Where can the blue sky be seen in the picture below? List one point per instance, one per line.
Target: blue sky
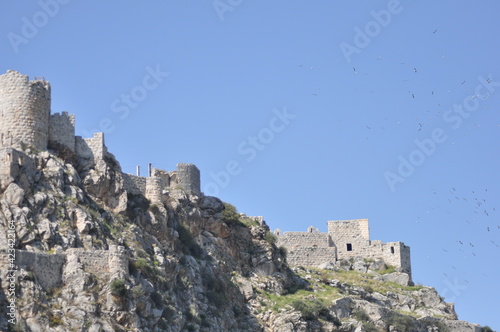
(299, 111)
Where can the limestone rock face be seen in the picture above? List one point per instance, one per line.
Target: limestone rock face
(92, 255)
(105, 183)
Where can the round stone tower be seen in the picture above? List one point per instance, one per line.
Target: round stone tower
(188, 177)
(24, 111)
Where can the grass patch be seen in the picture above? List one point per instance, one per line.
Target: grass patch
(325, 294)
(270, 237)
(230, 214)
(249, 222)
(387, 270)
(118, 287)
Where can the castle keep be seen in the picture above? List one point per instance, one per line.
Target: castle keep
(26, 123)
(345, 239)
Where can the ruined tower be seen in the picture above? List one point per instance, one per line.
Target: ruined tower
(188, 177)
(24, 111)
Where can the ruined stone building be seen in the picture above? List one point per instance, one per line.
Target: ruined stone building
(26, 122)
(27, 126)
(345, 239)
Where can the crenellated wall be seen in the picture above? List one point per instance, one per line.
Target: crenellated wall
(24, 111)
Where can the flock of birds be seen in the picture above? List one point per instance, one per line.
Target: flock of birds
(486, 219)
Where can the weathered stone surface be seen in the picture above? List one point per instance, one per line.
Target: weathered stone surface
(211, 205)
(397, 277)
(13, 195)
(98, 250)
(346, 239)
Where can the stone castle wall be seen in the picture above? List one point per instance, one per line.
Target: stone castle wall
(9, 167)
(24, 111)
(90, 149)
(310, 256)
(11, 161)
(62, 130)
(152, 187)
(345, 239)
(25, 121)
(295, 240)
(153, 190)
(133, 184)
(188, 177)
(48, 268)
(351, 237)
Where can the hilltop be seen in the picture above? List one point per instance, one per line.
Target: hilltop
(89, 248)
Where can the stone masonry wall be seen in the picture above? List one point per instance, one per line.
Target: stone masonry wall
(352, 237)
(310, 256)
(153, 190)
(163, 175)
(188, 177)
(9, 167)
(153, 186)
(24, 111)
(13, 164)
(106, 264)
(96, 145)
(90, 149)
(345, 239)
(46, 268)
(294, 240)
(62, 130)
(134, 184)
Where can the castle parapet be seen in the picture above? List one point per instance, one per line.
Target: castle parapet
(24, 110)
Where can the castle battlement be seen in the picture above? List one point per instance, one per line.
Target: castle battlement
(345, 239)
(24, 110)
(26, 126)
(27, 123)
(186, 177)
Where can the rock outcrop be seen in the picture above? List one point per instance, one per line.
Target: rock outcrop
(91, 256)
(85, 247)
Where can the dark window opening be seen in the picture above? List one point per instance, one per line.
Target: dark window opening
(349, 247)
(392, 250)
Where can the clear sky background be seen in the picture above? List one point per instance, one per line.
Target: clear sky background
(301, 112)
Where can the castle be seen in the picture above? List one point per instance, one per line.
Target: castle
(345, 239)
(28, 125)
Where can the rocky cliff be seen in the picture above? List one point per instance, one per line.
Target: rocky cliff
(80, 253)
